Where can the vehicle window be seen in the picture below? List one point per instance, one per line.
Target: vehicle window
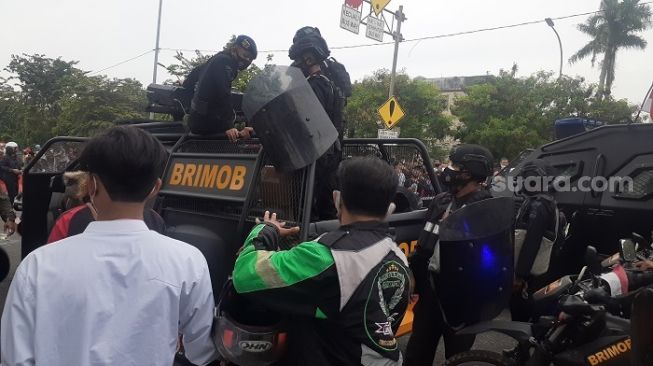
(57, 157)
(642, 185)
(415, 184)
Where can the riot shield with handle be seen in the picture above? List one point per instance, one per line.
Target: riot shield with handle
(476, 261)
(293, 126)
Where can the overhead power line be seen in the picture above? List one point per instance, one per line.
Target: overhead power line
(121, 62)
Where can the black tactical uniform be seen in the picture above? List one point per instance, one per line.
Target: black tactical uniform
(327, 165)
(539, 217)
(429, 325)
(329, 96)
(211, 109)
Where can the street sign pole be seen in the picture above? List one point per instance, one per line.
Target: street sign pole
(398, 38)
(156, 49)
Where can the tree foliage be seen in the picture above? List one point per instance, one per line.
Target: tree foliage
(509, 114)
(45, 97)
(615, 27)
(420, 100)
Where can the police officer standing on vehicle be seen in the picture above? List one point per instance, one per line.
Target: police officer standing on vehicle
(347, 290)
(469, 168)
(308, 51)
(211, 109)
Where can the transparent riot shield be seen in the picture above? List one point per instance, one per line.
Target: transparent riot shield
(293, 126)
(476, 261)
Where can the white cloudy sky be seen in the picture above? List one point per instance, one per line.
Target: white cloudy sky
(102, 33)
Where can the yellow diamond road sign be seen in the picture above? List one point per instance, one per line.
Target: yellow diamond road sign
(391, 112)
(379, 5)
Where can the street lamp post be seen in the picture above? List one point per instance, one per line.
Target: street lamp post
(550, 23)
(156, 49)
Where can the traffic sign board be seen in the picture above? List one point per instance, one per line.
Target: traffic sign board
(354, 3)
(379, 5)
(387, 134)
(391, 112)
(374, 28)
(350, 19)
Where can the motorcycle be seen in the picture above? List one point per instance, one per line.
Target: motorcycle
(586, 330)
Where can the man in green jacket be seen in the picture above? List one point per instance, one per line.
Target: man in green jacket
(346, 291)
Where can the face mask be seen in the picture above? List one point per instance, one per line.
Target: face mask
(337, 200)
(452, 177)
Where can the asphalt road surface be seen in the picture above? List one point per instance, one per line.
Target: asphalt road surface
(490, 341)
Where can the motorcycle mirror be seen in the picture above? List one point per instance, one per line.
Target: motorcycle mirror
(628, 250)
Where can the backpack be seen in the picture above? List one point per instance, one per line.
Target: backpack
(549, 247)
(337, 73)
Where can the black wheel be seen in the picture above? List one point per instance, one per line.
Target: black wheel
(479, 358)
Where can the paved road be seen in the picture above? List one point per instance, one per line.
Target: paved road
(491, 341)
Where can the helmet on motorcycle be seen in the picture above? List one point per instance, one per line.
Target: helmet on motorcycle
(245, 333)
(308, 39)
(474, 159)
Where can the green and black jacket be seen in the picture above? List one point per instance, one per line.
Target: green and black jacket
(346, 292)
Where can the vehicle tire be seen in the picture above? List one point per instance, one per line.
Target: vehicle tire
(479, 358)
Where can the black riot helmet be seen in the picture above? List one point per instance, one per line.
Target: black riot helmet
(306, 31)
(245, 333)
(535, 170)
(247, 43)
(474, 159)
(309, 39)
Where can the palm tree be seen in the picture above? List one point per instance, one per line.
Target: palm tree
(614, 27)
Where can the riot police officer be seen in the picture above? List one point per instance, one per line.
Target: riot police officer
(308, 52)
(211, 110)
(469, 168)
(539, 234)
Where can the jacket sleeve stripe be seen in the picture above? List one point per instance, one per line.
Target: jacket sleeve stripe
(266, 271)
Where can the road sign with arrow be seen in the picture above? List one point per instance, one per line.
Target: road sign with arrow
(391, 112)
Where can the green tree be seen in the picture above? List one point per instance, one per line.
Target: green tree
(509, 114)
(44, 97)
(421, 101)
(615, 27)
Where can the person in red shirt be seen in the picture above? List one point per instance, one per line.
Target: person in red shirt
(75, 220)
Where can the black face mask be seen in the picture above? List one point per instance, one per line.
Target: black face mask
(453, 179)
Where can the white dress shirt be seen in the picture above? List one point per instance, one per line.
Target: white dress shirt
(117, 294)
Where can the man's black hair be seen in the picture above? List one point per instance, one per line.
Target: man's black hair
(367, 185)
(127, 159)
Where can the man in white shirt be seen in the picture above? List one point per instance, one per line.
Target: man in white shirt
(117, 294)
